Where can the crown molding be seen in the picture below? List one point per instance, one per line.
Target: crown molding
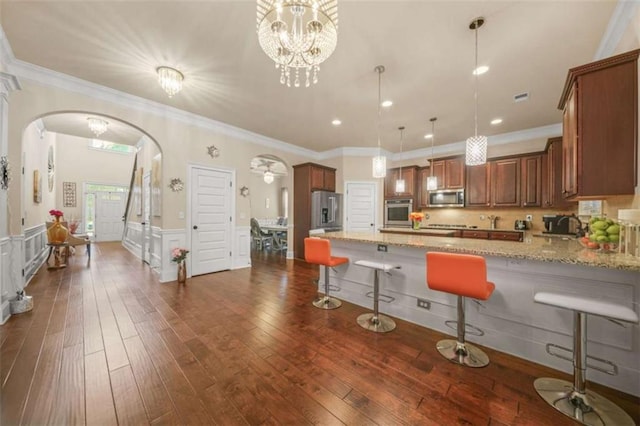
(8, 83)
(622, 15)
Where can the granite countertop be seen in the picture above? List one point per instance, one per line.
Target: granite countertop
(539, 248)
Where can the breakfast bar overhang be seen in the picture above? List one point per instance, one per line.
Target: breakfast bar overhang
(509, 321)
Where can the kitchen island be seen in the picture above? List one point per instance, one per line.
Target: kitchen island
(510, 321)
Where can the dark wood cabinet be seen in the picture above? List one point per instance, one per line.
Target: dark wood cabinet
(505, 182)
(552, 176)
(531, 177)
(478, 188)
(600, 128)
(483, 235)
(450, 172)
(423, 193)
(307, 177)
(410, 176)
(506, 235)
(323, 179)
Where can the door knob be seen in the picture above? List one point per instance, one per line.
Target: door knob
(195, 226)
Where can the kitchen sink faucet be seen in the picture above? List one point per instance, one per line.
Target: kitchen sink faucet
(493, 218)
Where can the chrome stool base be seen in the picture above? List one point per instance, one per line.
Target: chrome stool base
(588, 408)
(462, 353)
(378, 323)
(327, 302)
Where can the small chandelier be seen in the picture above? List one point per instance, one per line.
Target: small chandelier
(170, 80)
(379, 161)
(294, 42)
(400, 181)
(97, 125)
(476, 150)
(432, 181)
(268, 177)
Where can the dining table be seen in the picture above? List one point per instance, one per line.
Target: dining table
(279, 234)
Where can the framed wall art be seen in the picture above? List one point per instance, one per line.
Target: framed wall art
(156, 183)
(69, 194)
(37, 187)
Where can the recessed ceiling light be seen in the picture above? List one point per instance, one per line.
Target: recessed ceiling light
(336, 122)
(428, 136)
(480, 70)
(386, 104)
(496, 121)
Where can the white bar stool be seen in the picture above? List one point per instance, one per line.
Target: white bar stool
(374, 321)
(574, 400)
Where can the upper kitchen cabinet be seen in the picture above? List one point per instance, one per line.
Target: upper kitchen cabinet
(410, 176)
(505, 182)
(450, 172)
(478, 189)
(322, 178)
(423, 193)
(552, 176)
(600, 128)
(531, 177)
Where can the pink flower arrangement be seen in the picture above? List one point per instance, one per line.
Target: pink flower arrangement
(56, 213)
(179, 254)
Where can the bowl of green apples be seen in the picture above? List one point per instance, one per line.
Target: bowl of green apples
(604, 235)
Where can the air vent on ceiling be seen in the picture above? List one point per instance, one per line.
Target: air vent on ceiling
(521, 97)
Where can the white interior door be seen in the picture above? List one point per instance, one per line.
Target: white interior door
(361, 206)
(211, 220)
(146, 218)
(109, 213)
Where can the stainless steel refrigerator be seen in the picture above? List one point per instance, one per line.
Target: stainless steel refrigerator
(326, 211)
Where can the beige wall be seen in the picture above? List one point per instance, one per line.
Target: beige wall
(78, 163)
(36, 151)
(181, 144)
(260, 192)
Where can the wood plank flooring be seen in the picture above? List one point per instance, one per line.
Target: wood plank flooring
(107, 344)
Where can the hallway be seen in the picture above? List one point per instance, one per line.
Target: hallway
(107, 344)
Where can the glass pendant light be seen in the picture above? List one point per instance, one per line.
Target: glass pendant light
(476, 149)
(432, 181)
(379, 161)
(400, 180)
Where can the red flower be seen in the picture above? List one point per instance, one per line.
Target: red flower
(56, 213)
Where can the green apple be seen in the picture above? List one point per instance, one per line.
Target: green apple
(613, 229)
(600, 232)
(602, 239)
(614, 238)
(594, 219)
(593, 237)
(601, 224)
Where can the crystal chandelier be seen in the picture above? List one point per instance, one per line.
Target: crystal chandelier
(170, 80)
(432, 181)
(97, 125)
(297, 42)
(379, 161)
(268, 177)
(400, 181)
(476, 152)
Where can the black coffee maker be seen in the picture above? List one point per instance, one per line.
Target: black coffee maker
(556, 224)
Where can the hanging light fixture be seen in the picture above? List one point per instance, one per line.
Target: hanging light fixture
(379, 161)
(432, 181)
(476, 150)
(295, 43)
(170, 80)
(97, 125)
(268, 176)
(400, 180)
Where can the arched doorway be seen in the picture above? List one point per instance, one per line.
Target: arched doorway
(269, 204)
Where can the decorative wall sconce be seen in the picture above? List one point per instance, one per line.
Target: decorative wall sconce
(213, 151)
(176, 184)
(244, 191)
(5, 173)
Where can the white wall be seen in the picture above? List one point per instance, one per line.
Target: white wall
(35, 149)
(260, 192)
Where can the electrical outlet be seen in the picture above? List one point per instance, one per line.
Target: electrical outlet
(424, 304)
(482, 217)
(529, 217)
(382, 247)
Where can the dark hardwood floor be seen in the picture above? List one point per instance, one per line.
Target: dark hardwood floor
(107, 344)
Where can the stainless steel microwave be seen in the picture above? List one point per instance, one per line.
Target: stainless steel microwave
(446, 198)
(396, 212)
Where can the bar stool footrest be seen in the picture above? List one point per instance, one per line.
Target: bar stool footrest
(468, 328)
(379, 324)
(589, 408)
(612, 372)
(327, 302)
(462, 353)
(381, 297)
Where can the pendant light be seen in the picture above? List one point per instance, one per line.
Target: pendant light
(379, 161)
(476, 149)
(432, 181)
(400, 180)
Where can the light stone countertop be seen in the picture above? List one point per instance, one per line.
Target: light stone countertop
(533, 248)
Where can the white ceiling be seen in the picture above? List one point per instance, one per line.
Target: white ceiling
(426, 47)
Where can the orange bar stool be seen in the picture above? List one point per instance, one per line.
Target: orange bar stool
(318, 251)
(466, 276)
(574, 399)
